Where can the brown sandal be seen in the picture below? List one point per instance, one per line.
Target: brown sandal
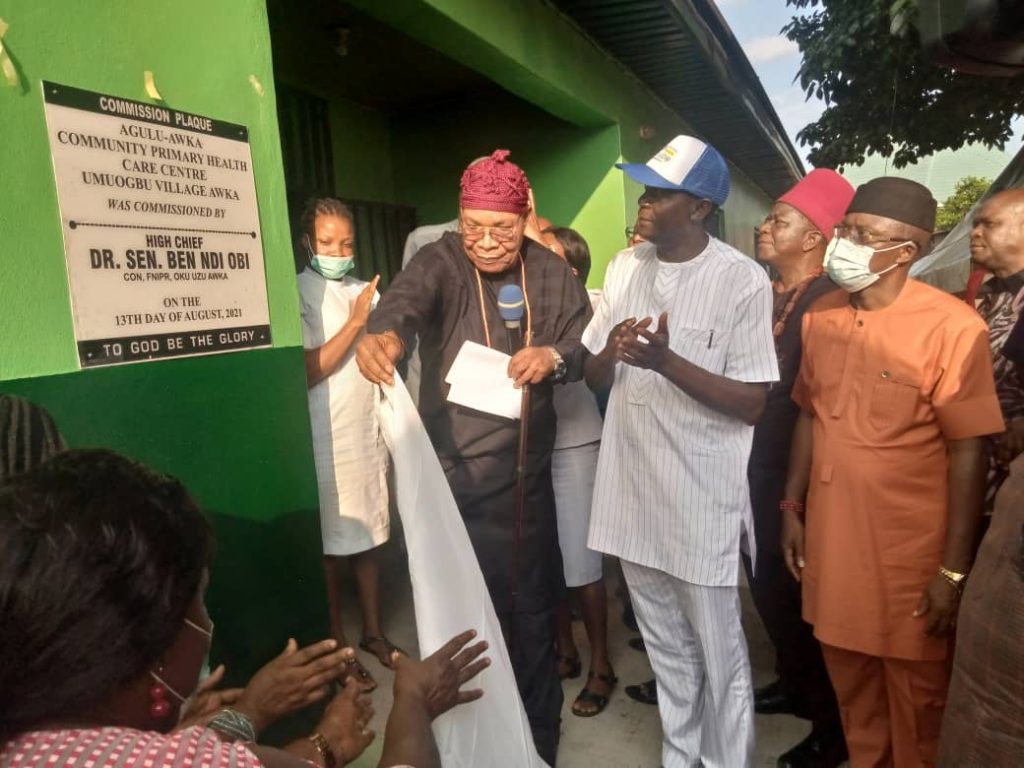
(360, 674)
(390, 648)
(599, 700)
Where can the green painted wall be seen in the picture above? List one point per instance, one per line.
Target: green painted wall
(535, 53)
(567, 165)
(233, 427)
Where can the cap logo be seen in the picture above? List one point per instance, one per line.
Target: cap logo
(665, 155)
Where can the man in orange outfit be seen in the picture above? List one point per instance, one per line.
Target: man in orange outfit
(897, 395)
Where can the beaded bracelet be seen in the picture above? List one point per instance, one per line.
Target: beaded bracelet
(788, 505)
(324, 748)
(234, 725)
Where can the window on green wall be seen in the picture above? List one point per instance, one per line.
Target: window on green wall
(381, 230)
(305, 151)
(305, 143)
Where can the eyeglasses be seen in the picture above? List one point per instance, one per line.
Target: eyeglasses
(476, 232)
(864, 236)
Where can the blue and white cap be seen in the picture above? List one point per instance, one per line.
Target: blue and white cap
(686, 164)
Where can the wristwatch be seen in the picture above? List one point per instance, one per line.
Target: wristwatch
(954, 578)
(559, 372)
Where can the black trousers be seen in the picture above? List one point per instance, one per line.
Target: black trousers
(530, 638)
(798, 660)
(485, 490)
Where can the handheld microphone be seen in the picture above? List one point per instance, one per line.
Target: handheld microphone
(511, 304)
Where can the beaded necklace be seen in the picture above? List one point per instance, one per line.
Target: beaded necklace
(787, 310)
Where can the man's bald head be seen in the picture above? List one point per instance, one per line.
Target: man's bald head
(997, 233)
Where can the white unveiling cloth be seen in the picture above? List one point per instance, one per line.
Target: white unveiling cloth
(450, 597)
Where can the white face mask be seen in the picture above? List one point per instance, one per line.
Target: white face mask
(849, 264)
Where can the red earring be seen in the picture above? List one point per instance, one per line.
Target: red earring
(159, 706)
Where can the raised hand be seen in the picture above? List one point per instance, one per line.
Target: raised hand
(345, 722)
(293, 680)
(364, 303)
(437, 679)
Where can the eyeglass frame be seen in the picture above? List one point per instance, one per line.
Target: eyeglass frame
(477, 232)
(842, 231)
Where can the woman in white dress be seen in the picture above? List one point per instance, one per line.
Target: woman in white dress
(348, 450)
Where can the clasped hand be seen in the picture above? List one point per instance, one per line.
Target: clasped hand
(634, 343)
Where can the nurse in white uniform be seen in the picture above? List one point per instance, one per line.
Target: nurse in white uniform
(350, 456)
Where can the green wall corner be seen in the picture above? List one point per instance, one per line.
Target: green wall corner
(198, 67)
(233, 427)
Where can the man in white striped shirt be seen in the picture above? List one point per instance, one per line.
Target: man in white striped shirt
(683, 338)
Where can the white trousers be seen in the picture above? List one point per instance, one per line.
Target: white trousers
(695, 642)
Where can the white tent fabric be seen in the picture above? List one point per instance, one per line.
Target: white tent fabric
(450, 597)
(948, 266)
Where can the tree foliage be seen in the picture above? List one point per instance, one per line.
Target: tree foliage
(883, 94)
(966, 193)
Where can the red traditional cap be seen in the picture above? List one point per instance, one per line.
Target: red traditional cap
(495, 184)
(823, 197)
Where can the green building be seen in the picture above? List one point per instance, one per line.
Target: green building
(382, 104)
(939, 171)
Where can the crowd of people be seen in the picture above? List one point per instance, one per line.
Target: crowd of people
(848, 437)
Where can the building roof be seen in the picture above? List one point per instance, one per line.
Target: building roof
(684, 51)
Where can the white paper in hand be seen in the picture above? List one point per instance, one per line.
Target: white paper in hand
(450, 596)
(479, 380)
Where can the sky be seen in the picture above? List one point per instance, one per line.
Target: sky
(757, 24)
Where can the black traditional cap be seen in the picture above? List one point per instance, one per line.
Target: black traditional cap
(895, 198)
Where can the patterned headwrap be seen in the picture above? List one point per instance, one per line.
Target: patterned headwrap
(28, 437)
(495, 184)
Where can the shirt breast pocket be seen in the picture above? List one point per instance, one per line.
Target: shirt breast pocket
(704, 347)
(895, 397)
